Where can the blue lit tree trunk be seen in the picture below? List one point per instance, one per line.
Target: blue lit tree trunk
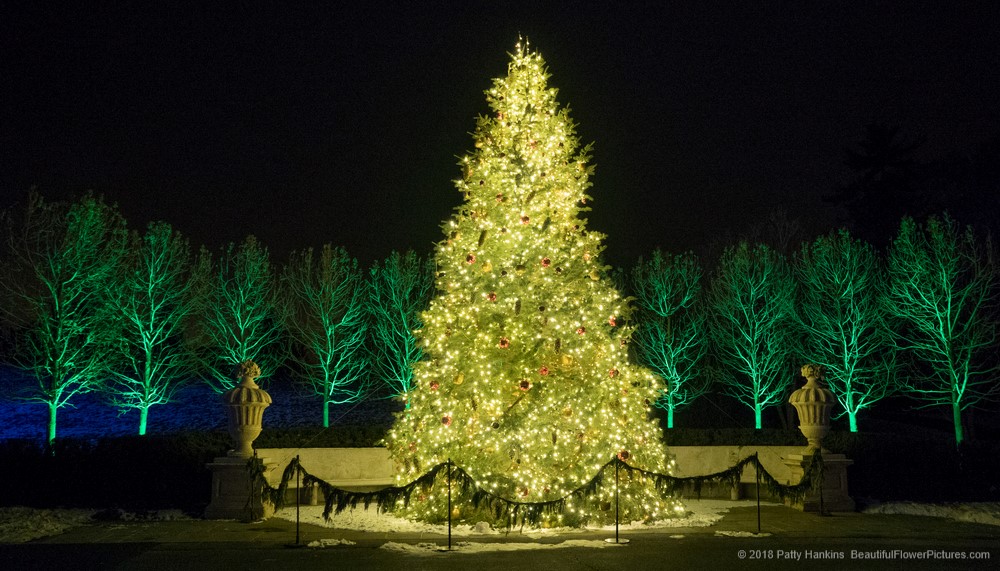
(154, 297)
(58, 260)
(751, 304)
(323, 305)
(841, 284)
(400, 288)
(669, 337)
(943, 291)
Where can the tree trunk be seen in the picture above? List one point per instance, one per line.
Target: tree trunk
(53, 409)
(756, 414)
(852, 417)
(956, 413)
(326, 413)
(670, 416)
(143, 416)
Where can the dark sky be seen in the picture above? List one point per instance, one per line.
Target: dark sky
(342, 123)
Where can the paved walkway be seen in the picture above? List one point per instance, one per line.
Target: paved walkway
(807, 537)
(774, 520)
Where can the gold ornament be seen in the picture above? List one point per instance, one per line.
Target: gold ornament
(459, 378)
(487, 267)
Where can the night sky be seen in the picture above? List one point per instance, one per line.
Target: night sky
(343, 123)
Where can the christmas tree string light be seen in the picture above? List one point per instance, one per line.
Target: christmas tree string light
(526, 381)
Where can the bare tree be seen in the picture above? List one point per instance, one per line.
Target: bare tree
(240, 319)
(841, 312)
(751, 311)
(943, 289)
(323, 306)
(59, 259)
(670, 336)
(401, 287)
(153, 298)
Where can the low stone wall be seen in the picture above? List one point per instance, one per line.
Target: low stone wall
(703, 460)
(360, 469)
(365, 469)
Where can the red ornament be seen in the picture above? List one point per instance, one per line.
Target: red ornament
(525, 492)
(581, 330)
(500, 198)
(543, 371)
(612, 321)
(525, 219)
(492, 296)
(623, 455)
(413, 446)
(524, 385)
(613, 373)
(623, 342)
(434, 385)
(446, 421)
(546, 262)
(471, 258)
(504, 343)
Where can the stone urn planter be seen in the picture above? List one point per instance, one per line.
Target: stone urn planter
(245, 406)
(813, 402)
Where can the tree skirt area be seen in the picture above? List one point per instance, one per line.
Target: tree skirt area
(21, 524)
(701, 513)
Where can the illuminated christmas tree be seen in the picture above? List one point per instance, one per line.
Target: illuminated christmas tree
(525, 381)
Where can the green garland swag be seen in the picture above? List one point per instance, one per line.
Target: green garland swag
(522, 513)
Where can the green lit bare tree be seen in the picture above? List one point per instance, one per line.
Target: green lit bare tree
(323, 303)
(751, 304)
(240, 320)
(943, 289)
(670, 336)
(400, 288)
(841, 282)
(58, 260)
(154, 299)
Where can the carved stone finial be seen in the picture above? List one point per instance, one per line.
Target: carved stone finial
(247, 370)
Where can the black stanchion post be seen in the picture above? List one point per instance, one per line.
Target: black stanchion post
(616, 501)
(757, 467)
(298, 498)
(449, 504)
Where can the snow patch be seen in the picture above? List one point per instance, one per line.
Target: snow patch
(329, 543)
(987, 513)
(19, 524)
(741, 534)
(476, 547)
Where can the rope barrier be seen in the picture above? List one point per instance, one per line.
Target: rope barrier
(512, 511)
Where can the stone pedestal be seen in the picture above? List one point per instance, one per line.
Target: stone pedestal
(835, 497)
(232, 494)
(231, 491)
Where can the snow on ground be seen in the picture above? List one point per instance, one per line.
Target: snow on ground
(18, 525)
(983, 512)
(700, 513)
(472, 547)
(741, 534)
